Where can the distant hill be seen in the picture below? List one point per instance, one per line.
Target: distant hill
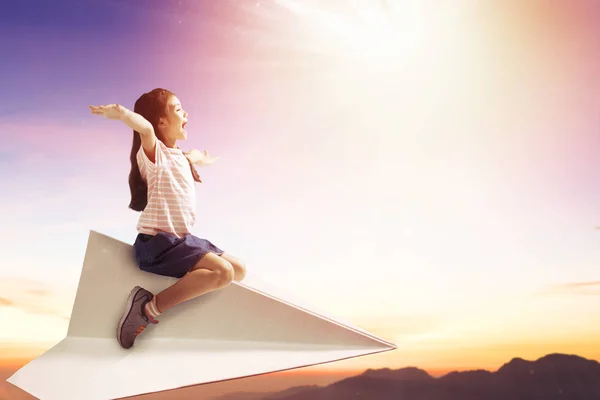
(555, 376)
(265, 396)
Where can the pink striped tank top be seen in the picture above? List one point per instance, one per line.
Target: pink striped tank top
(171, 192)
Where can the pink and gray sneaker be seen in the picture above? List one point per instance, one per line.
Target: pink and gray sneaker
(134, 319)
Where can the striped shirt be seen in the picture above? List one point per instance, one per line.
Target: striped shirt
(171, 192)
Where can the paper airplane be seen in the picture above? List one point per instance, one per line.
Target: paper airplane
(245, 329)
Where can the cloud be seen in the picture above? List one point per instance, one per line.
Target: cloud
(34, 298)
(5, 302)
(582, 284)
(575, 288)
(39, 292)
(404, 326)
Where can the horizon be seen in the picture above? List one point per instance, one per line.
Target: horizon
(425, 171)
(272, 382)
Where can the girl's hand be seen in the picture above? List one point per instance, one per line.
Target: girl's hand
(199, 158)
(110, 111)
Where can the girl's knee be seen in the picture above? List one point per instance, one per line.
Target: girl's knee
(225, 273)
(239, 270)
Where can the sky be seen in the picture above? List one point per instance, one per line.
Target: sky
(427, 171)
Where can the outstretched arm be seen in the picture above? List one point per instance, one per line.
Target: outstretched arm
(201, 159)
(133, 120)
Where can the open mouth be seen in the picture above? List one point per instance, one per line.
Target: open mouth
(183, 125)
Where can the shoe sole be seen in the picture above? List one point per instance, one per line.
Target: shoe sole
(128, 307)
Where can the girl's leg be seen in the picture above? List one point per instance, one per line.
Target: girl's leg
(238, 265)
(210, 273)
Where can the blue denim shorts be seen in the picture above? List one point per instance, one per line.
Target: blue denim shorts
(167, 255)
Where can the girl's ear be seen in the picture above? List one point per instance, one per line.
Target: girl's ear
(162, 122)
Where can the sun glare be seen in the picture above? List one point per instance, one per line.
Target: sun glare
(372, 31)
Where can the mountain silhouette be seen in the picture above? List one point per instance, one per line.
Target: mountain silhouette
(265, 396)
(552, 377)
(403, 374)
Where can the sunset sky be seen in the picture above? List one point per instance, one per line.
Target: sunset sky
(427, 171)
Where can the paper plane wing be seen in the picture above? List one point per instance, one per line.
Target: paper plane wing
(245, 329)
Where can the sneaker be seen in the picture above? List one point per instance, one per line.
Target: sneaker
(134, 319)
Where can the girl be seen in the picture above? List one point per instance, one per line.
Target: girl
(161, 182)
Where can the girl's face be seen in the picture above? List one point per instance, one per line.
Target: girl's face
(172, 126)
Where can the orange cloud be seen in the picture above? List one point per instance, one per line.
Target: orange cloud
(576, 288)
(582, 284)
(5, 302)
(33, 297)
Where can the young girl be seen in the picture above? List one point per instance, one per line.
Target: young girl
(161, 181)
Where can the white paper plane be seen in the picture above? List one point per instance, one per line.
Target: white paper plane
(245, 329)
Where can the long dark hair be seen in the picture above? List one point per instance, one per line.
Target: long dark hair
(152, 106)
